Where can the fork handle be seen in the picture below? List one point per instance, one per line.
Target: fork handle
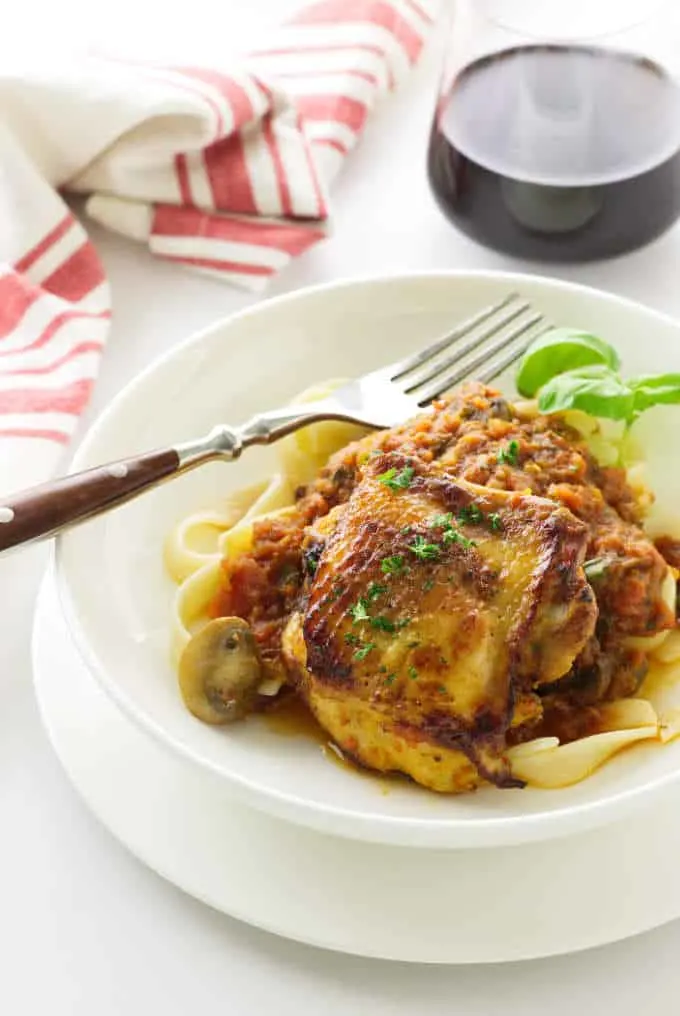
(43, 511)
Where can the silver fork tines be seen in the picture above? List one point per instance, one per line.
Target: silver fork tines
(402, 367)
(496, 367)
(442, 384)
(507, 327)
(462, 350)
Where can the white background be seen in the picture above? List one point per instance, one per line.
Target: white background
(85, 930)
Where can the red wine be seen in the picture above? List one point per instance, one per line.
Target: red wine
(559, 152)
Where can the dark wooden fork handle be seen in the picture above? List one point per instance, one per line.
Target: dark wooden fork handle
(42, 511)
(45, 510)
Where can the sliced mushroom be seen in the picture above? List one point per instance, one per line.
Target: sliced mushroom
(220, 671)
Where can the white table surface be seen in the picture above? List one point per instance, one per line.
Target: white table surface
(86, 930)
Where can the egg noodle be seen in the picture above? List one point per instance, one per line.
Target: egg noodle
(199, 543)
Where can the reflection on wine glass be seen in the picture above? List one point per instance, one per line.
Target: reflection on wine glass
(553, 129)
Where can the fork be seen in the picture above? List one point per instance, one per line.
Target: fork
(484, 345)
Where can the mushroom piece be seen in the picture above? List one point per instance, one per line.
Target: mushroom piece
(220, 671)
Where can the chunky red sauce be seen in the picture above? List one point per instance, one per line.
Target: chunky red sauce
(480, 438)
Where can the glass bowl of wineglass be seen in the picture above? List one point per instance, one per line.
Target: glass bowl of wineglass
(556, 135)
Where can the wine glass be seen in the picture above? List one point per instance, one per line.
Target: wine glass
(557, 129)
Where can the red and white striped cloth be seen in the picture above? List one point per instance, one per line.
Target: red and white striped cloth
(224, 170)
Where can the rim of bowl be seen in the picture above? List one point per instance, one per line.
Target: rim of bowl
(406, 831)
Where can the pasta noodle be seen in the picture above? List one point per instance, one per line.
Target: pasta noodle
(197, 546)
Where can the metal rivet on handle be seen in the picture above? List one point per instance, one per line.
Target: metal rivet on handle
(6, 515)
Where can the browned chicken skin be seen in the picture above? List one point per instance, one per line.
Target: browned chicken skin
(346, 523)
(433, 611)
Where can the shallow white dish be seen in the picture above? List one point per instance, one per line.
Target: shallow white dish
(117, 597)
(476, 906)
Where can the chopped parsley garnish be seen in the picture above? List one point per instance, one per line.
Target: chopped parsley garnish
(374, 591)
(428, 584)
(423, 550)
(383, 624)
(441, 521)
(509, 455)
(450, 534)
(413, 673)
(397, 480)
(382, 669)
(406, 529)
(361, 654)
(358, 611)
(390, 679)
(392, 565)
(442, 689)
(352, 640)
(453, 536)
(471, 513)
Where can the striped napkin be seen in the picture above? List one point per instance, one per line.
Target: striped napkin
(223, 170)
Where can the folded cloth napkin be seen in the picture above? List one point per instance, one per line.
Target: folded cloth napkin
(224, 170)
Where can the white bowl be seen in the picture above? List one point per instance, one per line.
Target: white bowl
(117, 597)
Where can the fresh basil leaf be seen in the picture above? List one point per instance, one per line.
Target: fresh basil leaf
(655, 390)
(557, 351)
(596, 390)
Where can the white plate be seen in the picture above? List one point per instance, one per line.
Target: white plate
(475, 906)
(117, 597)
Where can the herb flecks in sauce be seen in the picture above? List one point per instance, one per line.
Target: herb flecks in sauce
(359, 611)
(383, 624)
(471, 514)
(509, 456)
(450, 534)
(397, 479)
(423, 550)
(394, 565)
